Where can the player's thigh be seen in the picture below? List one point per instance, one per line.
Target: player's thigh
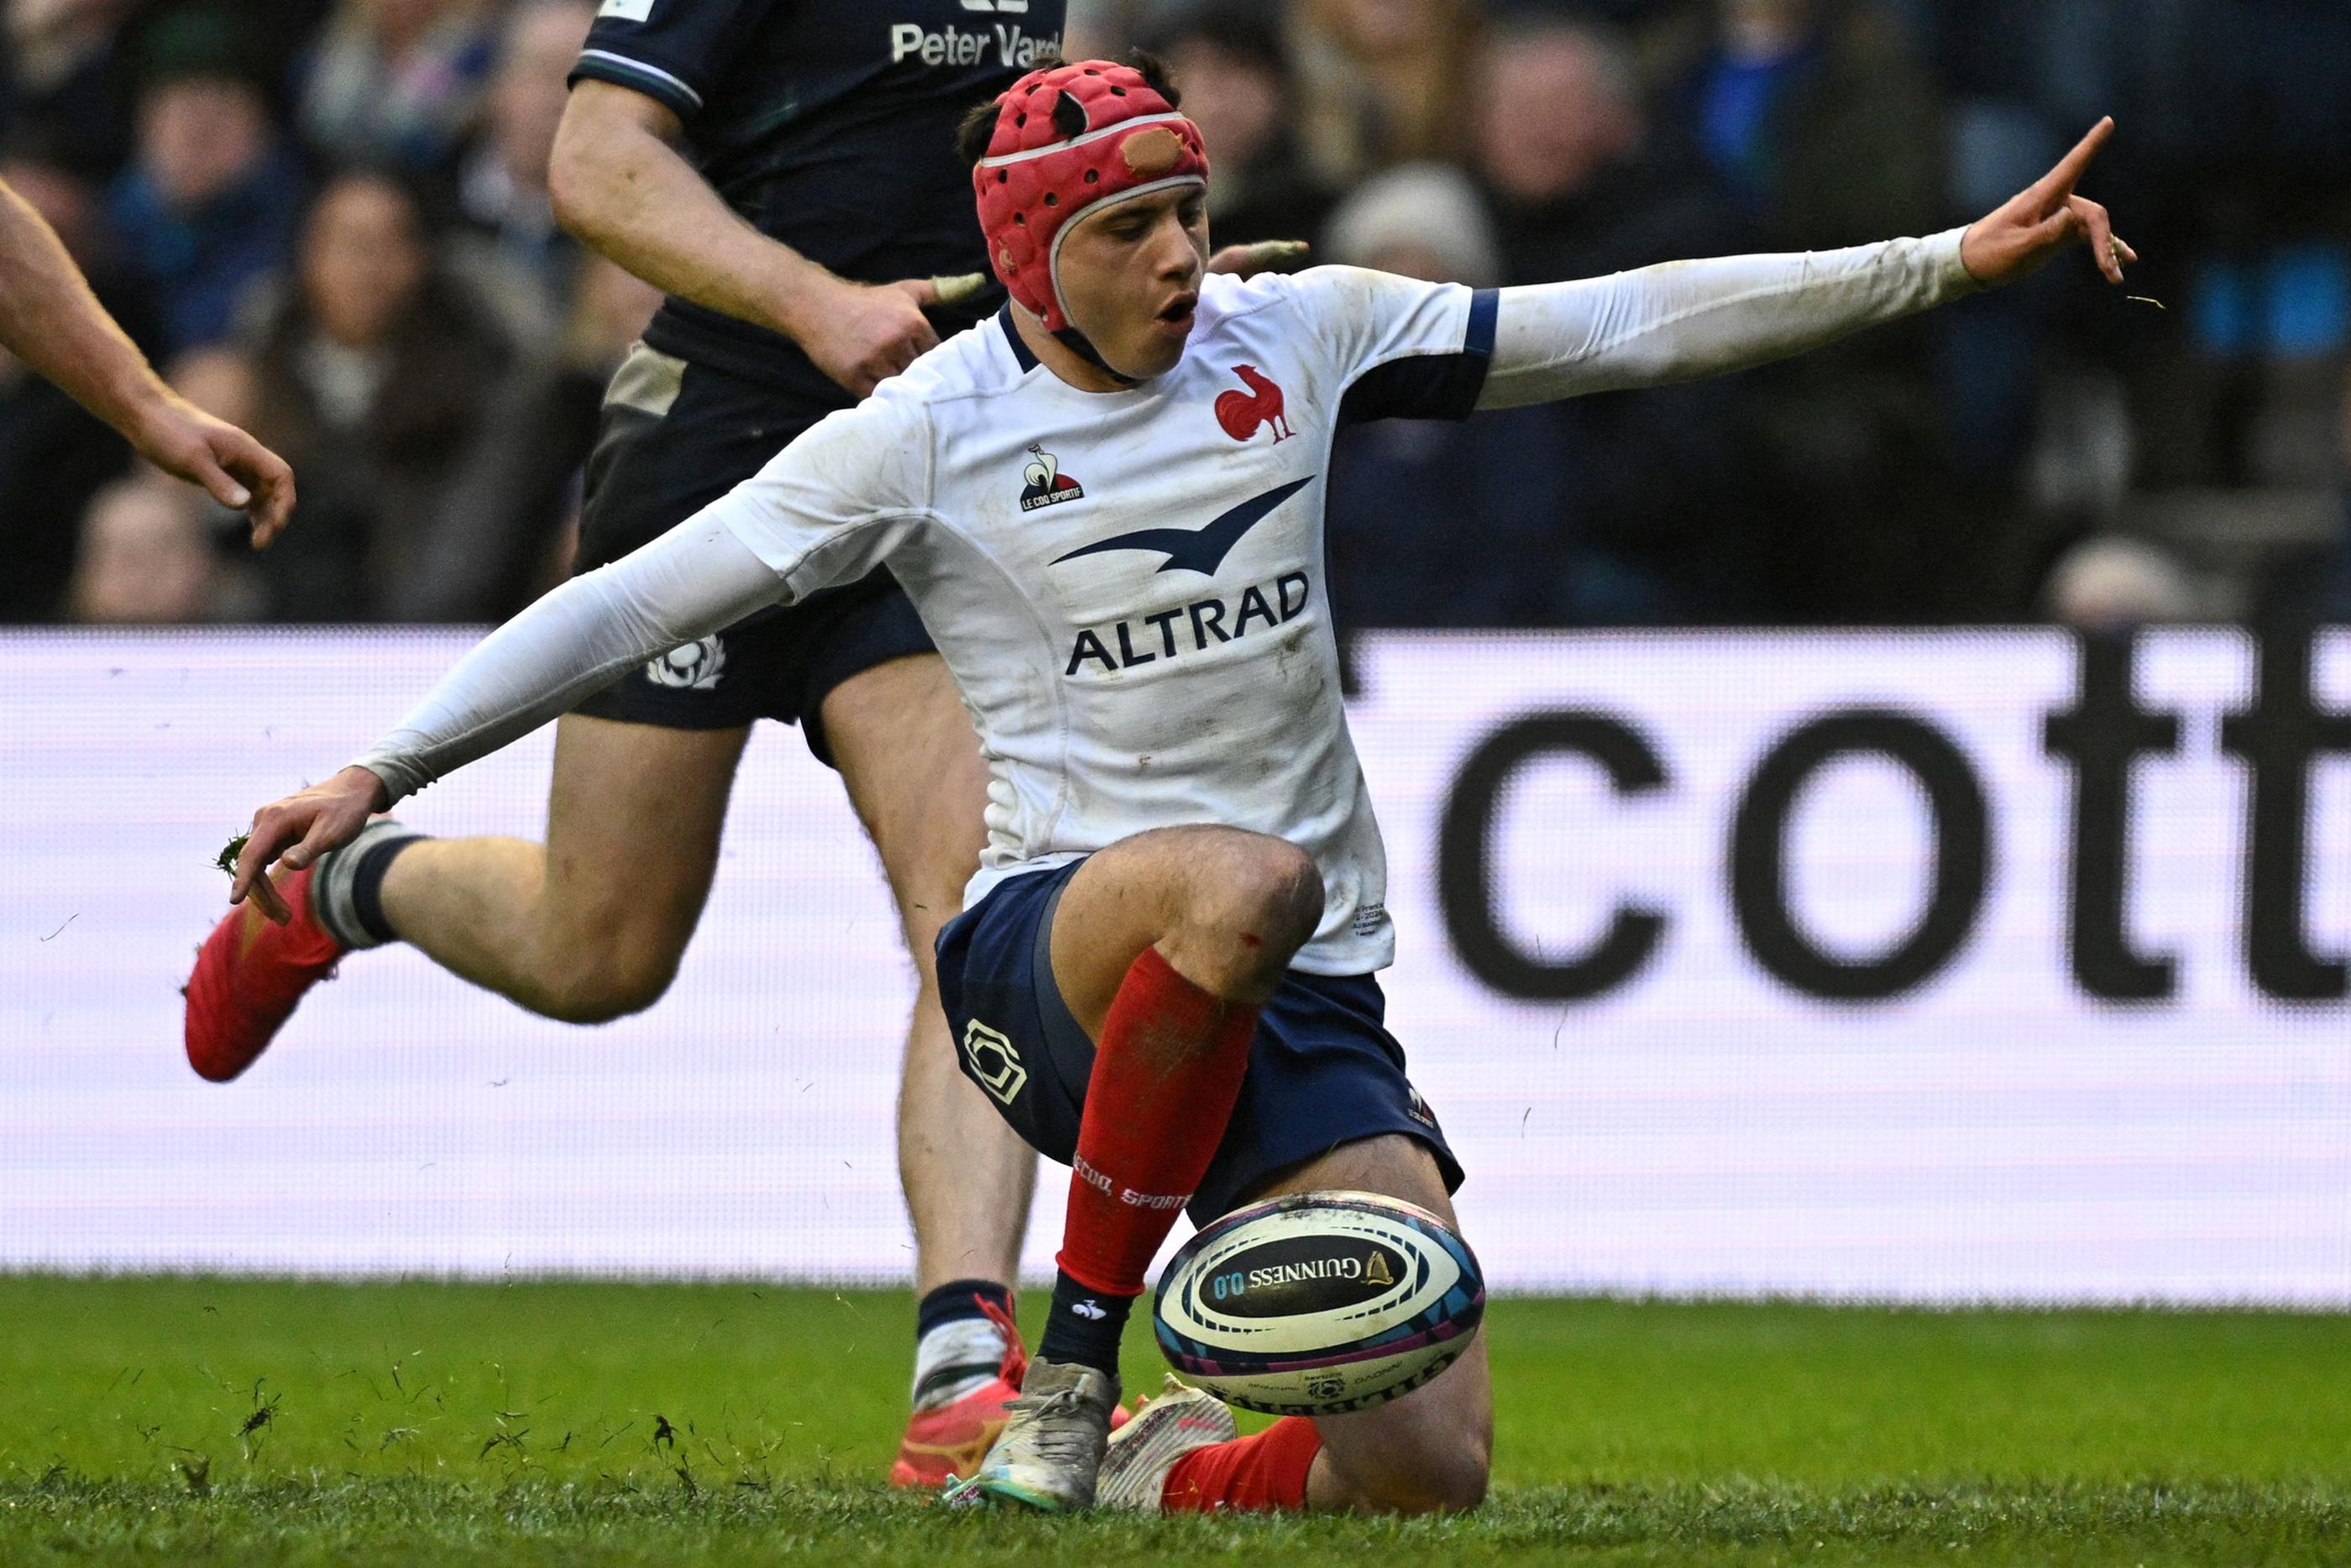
(1141, 888)
(1439, 1437)
(633, 830)
(911, 764)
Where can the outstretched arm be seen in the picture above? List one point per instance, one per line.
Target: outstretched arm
(1688, 319)
(827, 509)
(50, 319)
(686, 584)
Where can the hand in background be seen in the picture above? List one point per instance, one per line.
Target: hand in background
(236, 470)
(1266, 255)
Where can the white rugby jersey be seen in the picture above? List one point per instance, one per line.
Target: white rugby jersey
(1129, 586)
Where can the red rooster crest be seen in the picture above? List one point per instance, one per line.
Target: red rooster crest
(1241, 412)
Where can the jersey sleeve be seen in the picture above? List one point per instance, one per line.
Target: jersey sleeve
(833, 505)
(1687, 320)
(673, 51)
(1405, 348)
(570, 644)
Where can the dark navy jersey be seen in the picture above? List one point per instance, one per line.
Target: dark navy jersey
(828, 125)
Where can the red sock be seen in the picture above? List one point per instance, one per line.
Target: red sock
(1165, 1076)
(1247, 1474)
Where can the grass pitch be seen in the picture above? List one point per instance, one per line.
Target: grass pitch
(241, 1421)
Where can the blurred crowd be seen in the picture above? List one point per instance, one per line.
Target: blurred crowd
(327, 220)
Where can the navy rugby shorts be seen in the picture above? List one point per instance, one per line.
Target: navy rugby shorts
(674, 437)
(1322, 1071)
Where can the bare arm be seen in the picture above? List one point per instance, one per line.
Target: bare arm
(50, 319)
(622, 186)
(1687, 320)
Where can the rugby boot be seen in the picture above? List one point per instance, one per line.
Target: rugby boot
(951, 1440)
(1051, 1450)
(1135, 1468)
(250, 975)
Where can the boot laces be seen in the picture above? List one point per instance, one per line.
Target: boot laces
(1058, 1426)
(1016, 1355)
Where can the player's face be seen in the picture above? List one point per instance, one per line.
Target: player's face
(1130, 277)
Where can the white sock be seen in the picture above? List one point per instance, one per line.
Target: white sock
(333, 886)
(956, 1359)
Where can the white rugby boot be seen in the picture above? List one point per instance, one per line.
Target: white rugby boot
(1051, 1447)
(1135, 1468)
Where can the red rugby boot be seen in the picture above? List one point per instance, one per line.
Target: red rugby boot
(950, 1440)
(250, 975)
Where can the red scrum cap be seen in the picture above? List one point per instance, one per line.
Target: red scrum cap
(1067, 140)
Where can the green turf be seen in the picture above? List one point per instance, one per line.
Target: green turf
(231, 1422)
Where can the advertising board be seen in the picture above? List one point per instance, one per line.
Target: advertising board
(1943, 967)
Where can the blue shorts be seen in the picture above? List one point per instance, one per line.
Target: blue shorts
(1322, 1071)
(675, 437)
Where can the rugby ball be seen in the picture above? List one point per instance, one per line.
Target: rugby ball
(1318, 1302)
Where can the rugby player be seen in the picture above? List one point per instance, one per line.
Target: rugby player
(1107, 506)
(50, 320)
(785, 171)
(784, 168)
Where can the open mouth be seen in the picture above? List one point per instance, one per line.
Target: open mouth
(1178, 310)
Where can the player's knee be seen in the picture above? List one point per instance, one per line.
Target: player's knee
(1448, 1478)
(1453, 1484)
(1266, 891)
(599, 986)
(1464, 1473)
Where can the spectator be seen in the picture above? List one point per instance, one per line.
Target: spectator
(208, 206)
(1384, 81)
(1418, 220)
(220, 381)
(1813, 112)
(1228, 58)
(1657, 493)
(372, 377)
(61, 76)
(501, 538)
(146, 557)
(398, 82)
(143, 130)
(1581, 188)
(1435, 524)
(513, 250)
(2321, 591)
(2110, 584)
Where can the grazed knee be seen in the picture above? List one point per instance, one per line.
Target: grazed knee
(1253, 903)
